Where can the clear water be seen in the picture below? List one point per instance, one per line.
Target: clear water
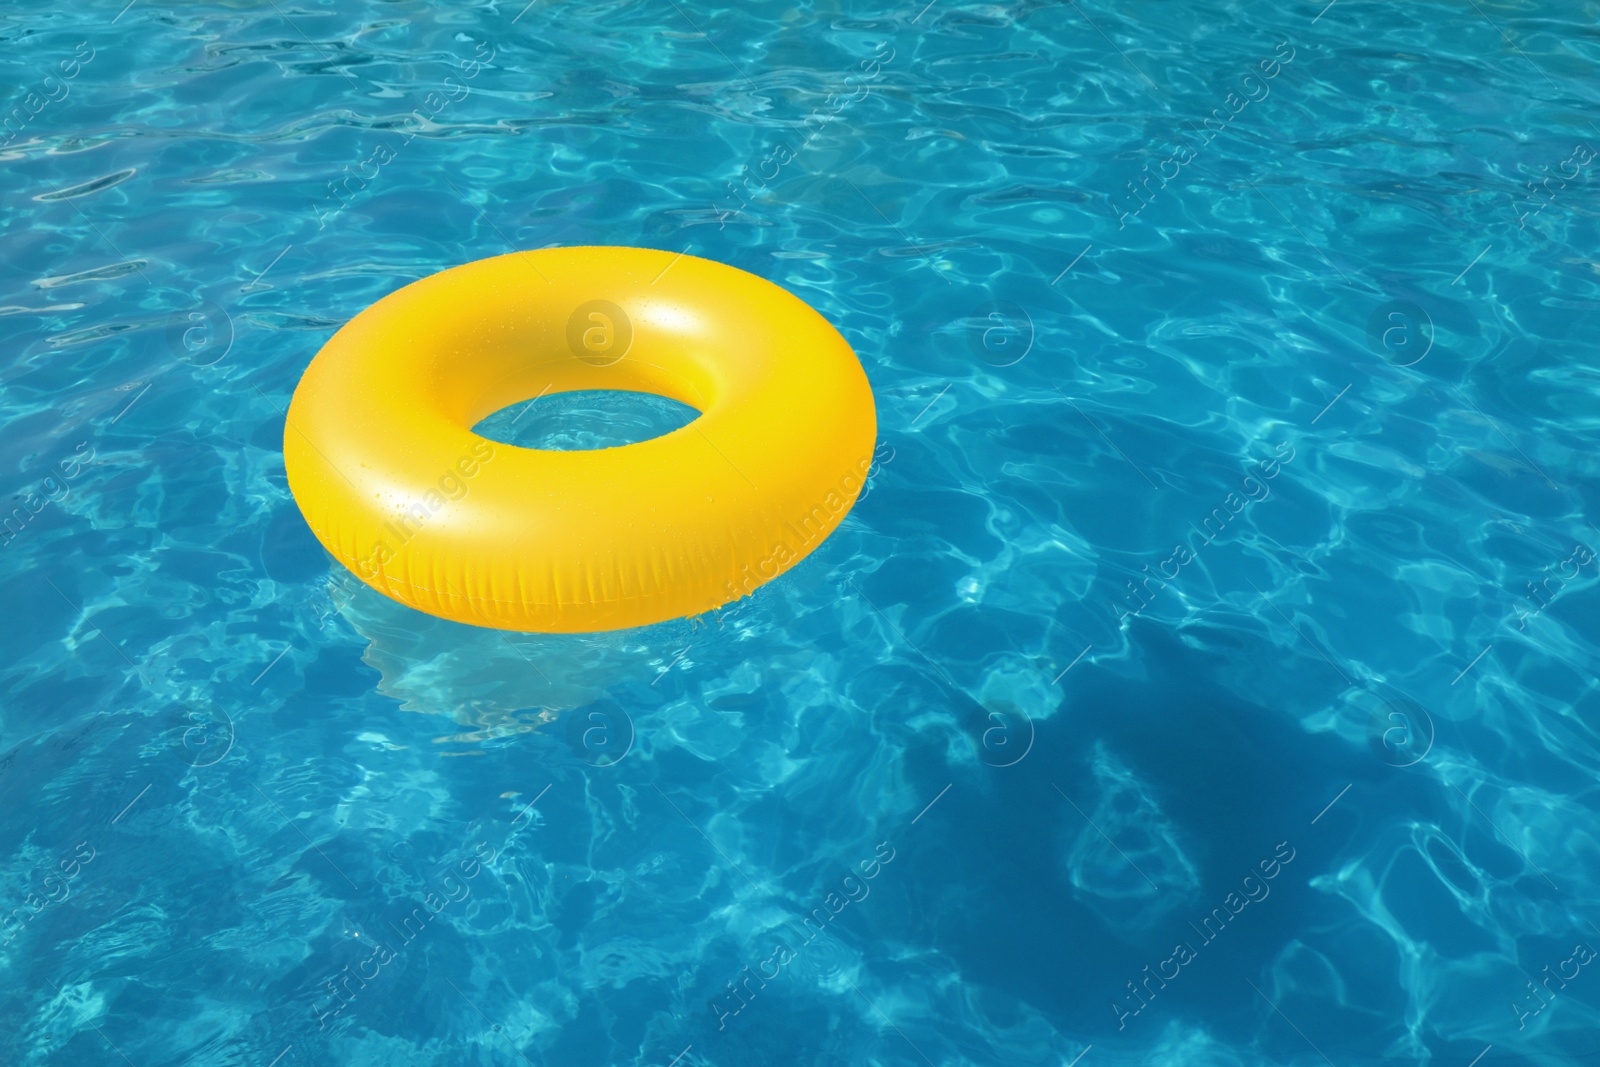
(585, 419)
(1344, 358)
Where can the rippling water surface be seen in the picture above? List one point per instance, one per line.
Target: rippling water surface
(1207, 676)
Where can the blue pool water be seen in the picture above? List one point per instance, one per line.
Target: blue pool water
(1207, 676)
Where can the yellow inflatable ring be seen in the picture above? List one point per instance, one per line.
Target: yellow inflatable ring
(383, 462)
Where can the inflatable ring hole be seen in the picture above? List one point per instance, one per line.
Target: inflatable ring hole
(585, 420)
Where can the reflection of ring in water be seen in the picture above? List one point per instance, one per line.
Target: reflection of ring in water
(485, 684)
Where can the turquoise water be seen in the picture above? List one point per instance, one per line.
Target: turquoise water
(1207, 676)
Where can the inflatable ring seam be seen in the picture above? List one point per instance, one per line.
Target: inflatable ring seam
(387, 578)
